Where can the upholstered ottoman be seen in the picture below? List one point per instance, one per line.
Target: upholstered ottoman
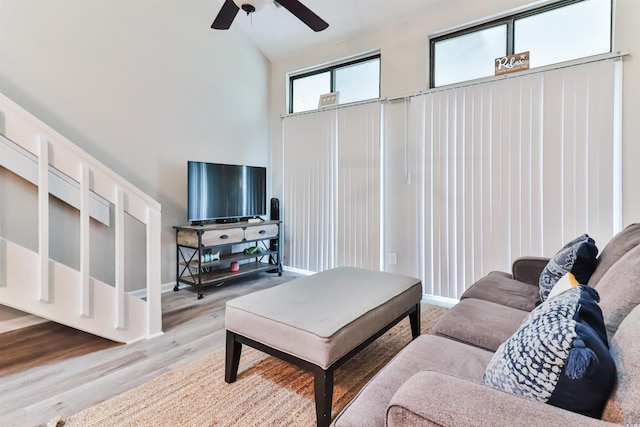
(318, 322)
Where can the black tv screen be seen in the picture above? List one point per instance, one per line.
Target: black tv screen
(223, 192)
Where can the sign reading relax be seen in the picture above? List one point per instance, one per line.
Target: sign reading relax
(512, 63)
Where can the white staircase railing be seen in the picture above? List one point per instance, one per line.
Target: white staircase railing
(31, 281)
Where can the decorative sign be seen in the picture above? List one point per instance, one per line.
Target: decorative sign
(512, 63)
(329, 99)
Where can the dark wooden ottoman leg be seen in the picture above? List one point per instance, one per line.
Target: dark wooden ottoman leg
(323, 390)
(414, 319)
(233, 351)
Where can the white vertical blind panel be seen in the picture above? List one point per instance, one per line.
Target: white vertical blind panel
(416, 179)
(578, 135)
(419, 118)
(308, 205)
(514, 167)
(358, 187)
(600, 169)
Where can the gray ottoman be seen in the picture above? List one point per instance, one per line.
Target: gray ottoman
(320, 321)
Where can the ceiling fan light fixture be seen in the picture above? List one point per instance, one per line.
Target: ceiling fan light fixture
(251, 6)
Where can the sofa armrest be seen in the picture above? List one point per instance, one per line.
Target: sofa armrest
(528, 269)
(434, 398)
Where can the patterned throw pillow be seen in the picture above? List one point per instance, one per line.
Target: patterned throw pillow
(559, 355)
(577, 257)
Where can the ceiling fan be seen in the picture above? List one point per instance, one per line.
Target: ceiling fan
(230, 9)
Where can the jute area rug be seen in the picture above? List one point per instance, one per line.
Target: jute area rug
(268, 392)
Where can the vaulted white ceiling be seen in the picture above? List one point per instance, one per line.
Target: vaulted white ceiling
(279, 34)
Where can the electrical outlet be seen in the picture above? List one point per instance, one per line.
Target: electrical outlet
(393, 258)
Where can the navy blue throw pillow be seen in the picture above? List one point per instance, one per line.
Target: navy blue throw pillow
(584, 300)
(588, 377)
(578, 257)
(559, 355)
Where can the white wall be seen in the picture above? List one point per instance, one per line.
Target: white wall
(404, 51)
(143, 86)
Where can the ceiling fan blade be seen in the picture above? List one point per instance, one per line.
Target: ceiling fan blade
(226, 16)
(304, 14)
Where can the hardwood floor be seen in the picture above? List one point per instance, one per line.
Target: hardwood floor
(48, 370)
(43, 344)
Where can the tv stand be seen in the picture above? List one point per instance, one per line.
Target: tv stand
(205, 253)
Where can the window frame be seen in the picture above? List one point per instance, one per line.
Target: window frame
(509, 20)
(332, 73)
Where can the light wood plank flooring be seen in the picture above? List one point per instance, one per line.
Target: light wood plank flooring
(41, 379)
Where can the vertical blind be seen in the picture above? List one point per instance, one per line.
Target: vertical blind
(309, 186)
(514, 167)
(358, 187)
(331, 188)
(506, 168)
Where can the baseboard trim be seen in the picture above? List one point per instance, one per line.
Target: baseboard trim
(439, 301)
(142, 293)
(166, 287)
(298, 270)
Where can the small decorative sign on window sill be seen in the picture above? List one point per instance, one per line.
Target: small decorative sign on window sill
(329, 99)
(512, 63)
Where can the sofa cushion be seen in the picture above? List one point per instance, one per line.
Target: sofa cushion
(557, 357)
(480, 323)
(619, 245)
(500, 288)
(619, 290)
(578, 257)
(425, 353)
(432, 398)
(624, 405)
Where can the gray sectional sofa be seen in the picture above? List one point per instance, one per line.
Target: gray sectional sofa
(437, 379)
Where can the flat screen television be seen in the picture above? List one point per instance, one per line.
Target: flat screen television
(225, 193)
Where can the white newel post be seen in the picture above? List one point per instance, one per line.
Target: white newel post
(154, 307)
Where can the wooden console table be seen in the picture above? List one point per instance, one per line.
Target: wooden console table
(205, 253)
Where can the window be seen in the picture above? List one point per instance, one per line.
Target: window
(562, 31)
(355, 80)
(307, 90)
(480, 47)
(575, 31)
